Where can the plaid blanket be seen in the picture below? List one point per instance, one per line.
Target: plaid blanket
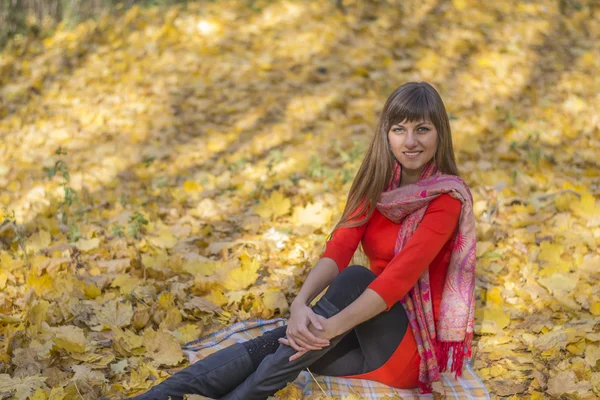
(468, 386)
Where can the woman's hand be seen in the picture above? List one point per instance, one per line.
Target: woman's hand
(299, 336)
(328, 332)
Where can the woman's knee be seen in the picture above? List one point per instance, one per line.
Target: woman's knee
(357, 273)
(349, 285)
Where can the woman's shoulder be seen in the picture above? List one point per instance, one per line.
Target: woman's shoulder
(446, 202)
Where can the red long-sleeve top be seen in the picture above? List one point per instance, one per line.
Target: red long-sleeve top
(430, 245)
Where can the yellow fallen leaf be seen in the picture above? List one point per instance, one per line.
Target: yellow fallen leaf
(165, 239)
(243, 276)
(92, 291)
(494, 296)
(460, 4)
(202, 304)
(57, 393)
(70, 338)
(217, 297)
(37, 315)
(551, 340)
(577, 348)
(87, 244)
(592, 355)
(115, 312)
(38, 241)
(3, 279)
(496, 371)
(586, 206)
(21, 387)
(314, 215)
(483, 247)
(125, 283)
(188, 332)
(39, 394)
(275, 299)
(291, 391)
(550, 251)
(172, 320)
(275, 206)
(162, 347)
(126, 342)
(429, 60)
(166, 300)
(560, 283)
(494, 320)
(201, 267)
(192, 187)
(566, 382)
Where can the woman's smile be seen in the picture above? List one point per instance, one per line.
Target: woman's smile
(414, 145)
(412, 155)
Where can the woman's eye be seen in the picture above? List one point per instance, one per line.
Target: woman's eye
(402, 130)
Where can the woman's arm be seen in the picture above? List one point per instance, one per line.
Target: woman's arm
(335, 258)
(368, 305)
(302, 317)
(365, 307)
(318, 279)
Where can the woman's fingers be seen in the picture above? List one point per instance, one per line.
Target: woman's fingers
(287, 343)
(308, 337)
(300, 338)
(294, 345)
(315, 321)
(297, 355)
(305, 344)
(299, 345)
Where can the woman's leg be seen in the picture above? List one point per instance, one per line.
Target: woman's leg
(219, 373)
(275, 371)
(375, 340)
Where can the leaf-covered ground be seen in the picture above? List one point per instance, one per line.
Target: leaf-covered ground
(165, 174)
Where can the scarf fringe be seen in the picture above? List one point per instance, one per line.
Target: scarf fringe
(425, 388)
(459, 351)
(442, 350)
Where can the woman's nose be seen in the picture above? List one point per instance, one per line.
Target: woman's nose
(411, 139)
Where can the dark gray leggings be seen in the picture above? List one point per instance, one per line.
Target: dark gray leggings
(371, 343)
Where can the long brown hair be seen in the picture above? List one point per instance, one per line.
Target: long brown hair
(413, 101)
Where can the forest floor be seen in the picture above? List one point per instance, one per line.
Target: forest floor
(165, 174)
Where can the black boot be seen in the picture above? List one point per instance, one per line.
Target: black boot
(219, 373)
(275, 371)
(213, 376)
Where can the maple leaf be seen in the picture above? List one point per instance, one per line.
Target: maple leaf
(23, 388)
(275, 206)
(162, 347)
(70, 338)
(243, 276)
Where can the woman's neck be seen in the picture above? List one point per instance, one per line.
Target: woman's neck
(409, 177)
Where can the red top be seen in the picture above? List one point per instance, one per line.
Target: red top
(430, 245)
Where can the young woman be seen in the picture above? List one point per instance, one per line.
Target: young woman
(413, 215)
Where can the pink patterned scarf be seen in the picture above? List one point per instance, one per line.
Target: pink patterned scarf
(407, 205)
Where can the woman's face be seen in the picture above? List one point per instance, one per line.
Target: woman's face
(413, 143)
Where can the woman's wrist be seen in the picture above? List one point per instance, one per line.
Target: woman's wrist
(298, 301)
